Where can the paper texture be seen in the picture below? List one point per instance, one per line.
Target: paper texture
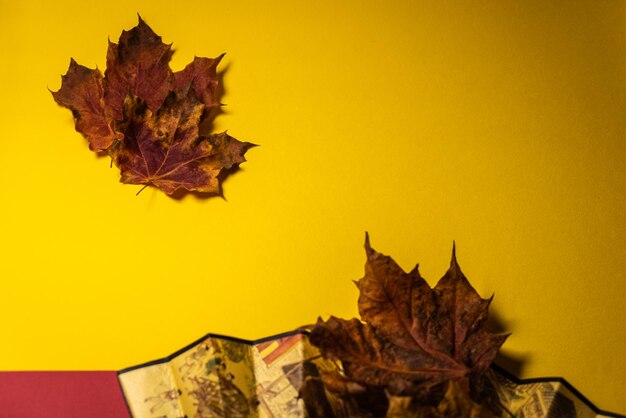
(221, 377)
(541, 399)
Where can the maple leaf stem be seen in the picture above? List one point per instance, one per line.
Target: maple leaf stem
(145, 185)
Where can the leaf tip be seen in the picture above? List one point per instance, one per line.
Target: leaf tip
(453, 261)
(368, 248)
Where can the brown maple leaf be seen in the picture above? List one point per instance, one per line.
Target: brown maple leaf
(166, 150)
(148, 118)
(411, 340)
(454, 403)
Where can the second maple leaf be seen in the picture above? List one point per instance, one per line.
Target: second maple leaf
(148, 118)
(413, 344)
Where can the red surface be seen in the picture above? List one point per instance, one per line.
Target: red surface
(61, 395)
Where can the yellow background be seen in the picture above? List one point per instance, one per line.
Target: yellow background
(500, 125)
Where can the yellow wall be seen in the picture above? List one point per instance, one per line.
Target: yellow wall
(500, 125)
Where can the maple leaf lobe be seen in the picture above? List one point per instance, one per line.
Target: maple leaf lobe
(82, 92)
(138, 65)
(201, 73)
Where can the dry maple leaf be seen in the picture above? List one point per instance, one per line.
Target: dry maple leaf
(165, 149)
(455, 403)
(148, 118)
(412, 340)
